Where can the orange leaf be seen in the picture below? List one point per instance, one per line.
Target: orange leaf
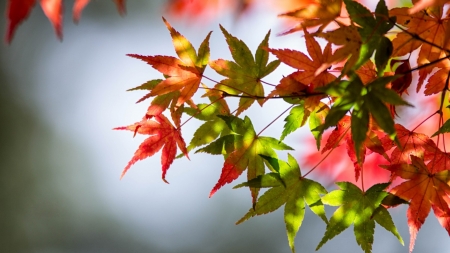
(349, 38)
(438, 81)
(429, 26)
(427, 187)
(307, 75)
(78, 7)
(53, 11)
(184, 79)
(183, 74)
(162, 135)
(412, 143)
(367, 72)
(314, 13)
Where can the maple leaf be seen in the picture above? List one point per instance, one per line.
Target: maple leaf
(314, 13)
(362, 209)
(367, 72)
(306, 79)
(427, 187)
(302, 83)
(214, 126)
(342, 133)
(245, 74)
(335, 167)
(361, 38)
(18, 11)
(364, 101)
(401, 84)
(430, 27)
(290, 189)
(411, 143)
(183, 75)
(242, 150)
(54, 12)
(162, 136)
(349, 38)
(438, 82)
(316, 119)
(297, 118)
(372, 30)
(445, 128)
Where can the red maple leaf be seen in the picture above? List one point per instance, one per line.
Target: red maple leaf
(430, 26)
(411, 143)
(342, 133)
(337, 167)
(163, 135)
(18, 11)
(427, 187)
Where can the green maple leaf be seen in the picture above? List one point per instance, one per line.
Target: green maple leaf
(214, 126)
(363, 101)
(445, 128)
(372, 30)
(242, 150)
(289, 188)
(297, 118)
(245, 73)
(360, 208)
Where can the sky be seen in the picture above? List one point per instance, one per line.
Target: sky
(62, 161)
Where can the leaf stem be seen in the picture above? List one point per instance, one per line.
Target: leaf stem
(329, 152)
(199, 111)
(273, 121)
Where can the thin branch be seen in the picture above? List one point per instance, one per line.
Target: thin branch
(273, 121)
(329, 152)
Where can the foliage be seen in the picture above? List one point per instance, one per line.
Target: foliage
(18, 11)
(354, 84)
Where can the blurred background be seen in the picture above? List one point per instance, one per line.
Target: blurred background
(60, 160)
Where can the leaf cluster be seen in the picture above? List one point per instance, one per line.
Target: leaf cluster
(353, 84)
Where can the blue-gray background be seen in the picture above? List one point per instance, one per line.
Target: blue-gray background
(60, 161)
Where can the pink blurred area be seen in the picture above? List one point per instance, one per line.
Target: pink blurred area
(213, 9)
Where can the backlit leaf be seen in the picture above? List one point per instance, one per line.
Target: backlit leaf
(427, 187)
(355, 207)
(296, 191)
(245, 73)
(162, 136)
(245, 154)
